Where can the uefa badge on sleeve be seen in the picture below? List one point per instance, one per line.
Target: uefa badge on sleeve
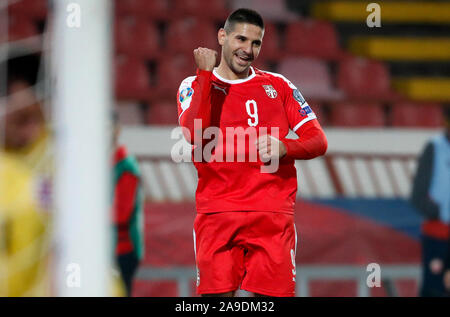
(186, 93)
(298, 96)
(304, 111)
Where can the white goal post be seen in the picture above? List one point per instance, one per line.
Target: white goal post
(82, 98)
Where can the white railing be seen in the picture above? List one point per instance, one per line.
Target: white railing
(184, 277)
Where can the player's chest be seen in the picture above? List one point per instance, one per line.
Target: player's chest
(258, 104)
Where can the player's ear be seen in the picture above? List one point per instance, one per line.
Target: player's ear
(221, 35)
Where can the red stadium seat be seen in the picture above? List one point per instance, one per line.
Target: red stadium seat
(158, 9)
(312, 38)
(184, 35)
(20, 27)
(36, 9)
(136, 37)
(363, 78)
(213, 9)
(354, 114)
(271, 10)
(311, 76)
(163, 112)
(132, 79)
(171, 72)
(414, 114)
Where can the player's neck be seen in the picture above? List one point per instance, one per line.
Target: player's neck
(224, 71)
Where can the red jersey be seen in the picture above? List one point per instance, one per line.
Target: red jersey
(263, 100)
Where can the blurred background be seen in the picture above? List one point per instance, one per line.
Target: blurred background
(379, 92)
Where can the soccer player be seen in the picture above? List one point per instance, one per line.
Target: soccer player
(244, 231)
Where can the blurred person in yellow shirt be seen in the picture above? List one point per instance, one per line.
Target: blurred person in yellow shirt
(24, 241)
(25, 184)
(26, 175)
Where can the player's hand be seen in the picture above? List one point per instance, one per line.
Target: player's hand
(270, 147)
(205, 58)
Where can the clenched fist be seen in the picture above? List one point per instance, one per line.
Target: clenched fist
(205, 58)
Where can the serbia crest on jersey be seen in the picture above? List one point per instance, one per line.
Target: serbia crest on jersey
(271, 92)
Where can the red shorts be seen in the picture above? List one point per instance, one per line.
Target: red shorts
(251, 250)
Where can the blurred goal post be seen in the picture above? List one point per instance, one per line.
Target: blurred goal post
(82, 98)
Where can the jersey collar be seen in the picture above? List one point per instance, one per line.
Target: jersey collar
(235, 81)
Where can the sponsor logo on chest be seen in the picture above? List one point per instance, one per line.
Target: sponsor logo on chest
(270, 91)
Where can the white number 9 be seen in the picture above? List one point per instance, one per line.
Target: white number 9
(252, 110)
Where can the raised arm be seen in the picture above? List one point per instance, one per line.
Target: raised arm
(194, 95)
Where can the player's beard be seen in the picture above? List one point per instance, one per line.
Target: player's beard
(239, 66)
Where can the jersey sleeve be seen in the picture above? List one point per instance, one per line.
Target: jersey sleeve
(297, 109)
(312, 141)
(194, 102)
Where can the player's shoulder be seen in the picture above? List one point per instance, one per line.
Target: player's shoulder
(274, 77)
(187, 82)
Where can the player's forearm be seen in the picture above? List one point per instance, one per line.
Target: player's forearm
(312, 143)
(200, 106)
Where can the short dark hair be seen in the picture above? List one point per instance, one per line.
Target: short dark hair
(23, 68)
(243, 15)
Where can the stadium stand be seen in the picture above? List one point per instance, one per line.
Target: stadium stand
(155, 33)
(409, 114)
(311, 76)
(352, 114)
(186, 34)
(132, 78)
(402, 48)
(157, 9)
(314, 38)
(326, 60)
(136, 37)
(412, 42)
(424, 88)
(213, 9)
(363, 78)
(393, 11)
(171, 71)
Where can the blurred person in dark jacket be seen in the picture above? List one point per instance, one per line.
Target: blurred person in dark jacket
(431, 197)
